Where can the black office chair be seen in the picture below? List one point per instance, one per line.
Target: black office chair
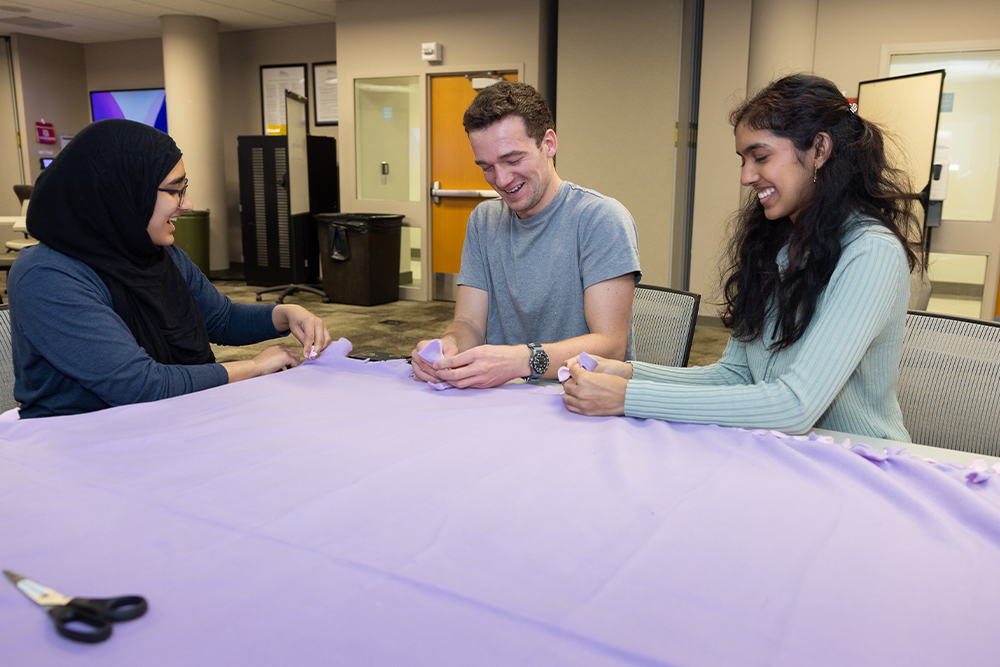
(7, 401)
(23, 193)
(949, 382)
(663, 322)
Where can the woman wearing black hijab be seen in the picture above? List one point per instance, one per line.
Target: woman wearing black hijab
(106, 310)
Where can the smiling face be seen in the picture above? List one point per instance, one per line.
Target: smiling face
(168, 207)
(521, 171)
(781, 175)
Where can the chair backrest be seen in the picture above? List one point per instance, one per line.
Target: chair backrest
(23, 192)
(949, 382)
(663, 322)
(7, 401)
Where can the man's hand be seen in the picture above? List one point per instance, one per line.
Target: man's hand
(593, 393)
(485, 366)
(422, 370)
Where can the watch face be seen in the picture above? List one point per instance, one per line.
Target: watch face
(539, 362)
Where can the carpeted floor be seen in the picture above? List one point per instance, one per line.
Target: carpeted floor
(393, 327)
(398, 327)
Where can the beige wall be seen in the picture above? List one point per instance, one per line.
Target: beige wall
(849, 38)
(850, 33)
(105, 70)
(10, 156)
(242, 55)
(617, 106)
(725, 57)
(382, 38)
(51, 84)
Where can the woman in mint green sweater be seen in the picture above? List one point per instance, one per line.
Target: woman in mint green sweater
(815, 290)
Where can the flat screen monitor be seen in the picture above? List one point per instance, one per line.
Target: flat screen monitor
(148, 105)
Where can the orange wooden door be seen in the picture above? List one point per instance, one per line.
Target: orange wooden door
(454, 167)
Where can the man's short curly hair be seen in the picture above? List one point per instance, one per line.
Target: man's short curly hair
(510, 98)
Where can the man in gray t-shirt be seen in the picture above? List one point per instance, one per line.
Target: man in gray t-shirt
(548, 271)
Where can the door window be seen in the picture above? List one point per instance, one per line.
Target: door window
(387, 138)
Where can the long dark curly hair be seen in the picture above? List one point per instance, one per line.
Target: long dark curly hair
(855, 179)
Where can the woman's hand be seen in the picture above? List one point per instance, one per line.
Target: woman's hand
(597, 394)
(273, 359)
(306, 327)
(609, 366)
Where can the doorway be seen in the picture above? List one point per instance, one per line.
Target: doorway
(964, 258)
(457, 181)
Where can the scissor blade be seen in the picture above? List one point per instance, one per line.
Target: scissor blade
(41, 595)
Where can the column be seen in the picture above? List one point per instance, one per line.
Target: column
(193, 77)
(782, 40)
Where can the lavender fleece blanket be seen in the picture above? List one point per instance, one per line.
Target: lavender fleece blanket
(341, 513)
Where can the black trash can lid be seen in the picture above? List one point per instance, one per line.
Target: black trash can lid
(362, 222)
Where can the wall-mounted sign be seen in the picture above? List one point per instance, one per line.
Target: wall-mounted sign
(325, 93)
(274, 81)
(45, 133)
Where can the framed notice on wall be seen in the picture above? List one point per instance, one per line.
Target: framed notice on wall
(325, 93)
(274, 81)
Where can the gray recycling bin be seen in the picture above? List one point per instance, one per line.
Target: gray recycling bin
(360, 256)
(191, 236)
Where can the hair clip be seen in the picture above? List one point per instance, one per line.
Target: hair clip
(854, 107)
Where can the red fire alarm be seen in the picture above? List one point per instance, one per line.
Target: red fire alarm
(46, 133)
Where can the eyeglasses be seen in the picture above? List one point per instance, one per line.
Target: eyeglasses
(180, 193)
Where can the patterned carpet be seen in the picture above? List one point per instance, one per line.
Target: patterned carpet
(398, 327)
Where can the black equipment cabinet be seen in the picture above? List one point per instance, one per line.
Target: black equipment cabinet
(278, 247)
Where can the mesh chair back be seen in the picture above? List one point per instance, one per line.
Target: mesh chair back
(663, 322)
(7, 401)
(949, 382)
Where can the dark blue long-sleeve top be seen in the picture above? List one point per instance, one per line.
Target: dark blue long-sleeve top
(73, 353)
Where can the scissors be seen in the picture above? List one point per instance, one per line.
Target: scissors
(66, 612)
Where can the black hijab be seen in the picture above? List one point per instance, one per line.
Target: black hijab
(93, 203)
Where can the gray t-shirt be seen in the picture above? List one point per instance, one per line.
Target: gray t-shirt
(536, 270)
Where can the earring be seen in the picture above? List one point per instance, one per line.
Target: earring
(815, 173)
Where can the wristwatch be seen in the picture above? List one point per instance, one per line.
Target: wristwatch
(539, 362)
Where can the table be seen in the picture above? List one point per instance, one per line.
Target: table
(340, 513)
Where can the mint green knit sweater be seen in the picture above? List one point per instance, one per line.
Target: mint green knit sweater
(840, 375)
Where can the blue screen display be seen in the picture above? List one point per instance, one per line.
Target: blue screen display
(144, 106)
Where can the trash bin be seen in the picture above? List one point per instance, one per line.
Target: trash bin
(191, 236)
(360, 257)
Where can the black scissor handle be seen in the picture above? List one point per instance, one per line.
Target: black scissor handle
(63, 615)
(123, 608)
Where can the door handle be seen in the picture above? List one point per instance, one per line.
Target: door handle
(437, 193)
